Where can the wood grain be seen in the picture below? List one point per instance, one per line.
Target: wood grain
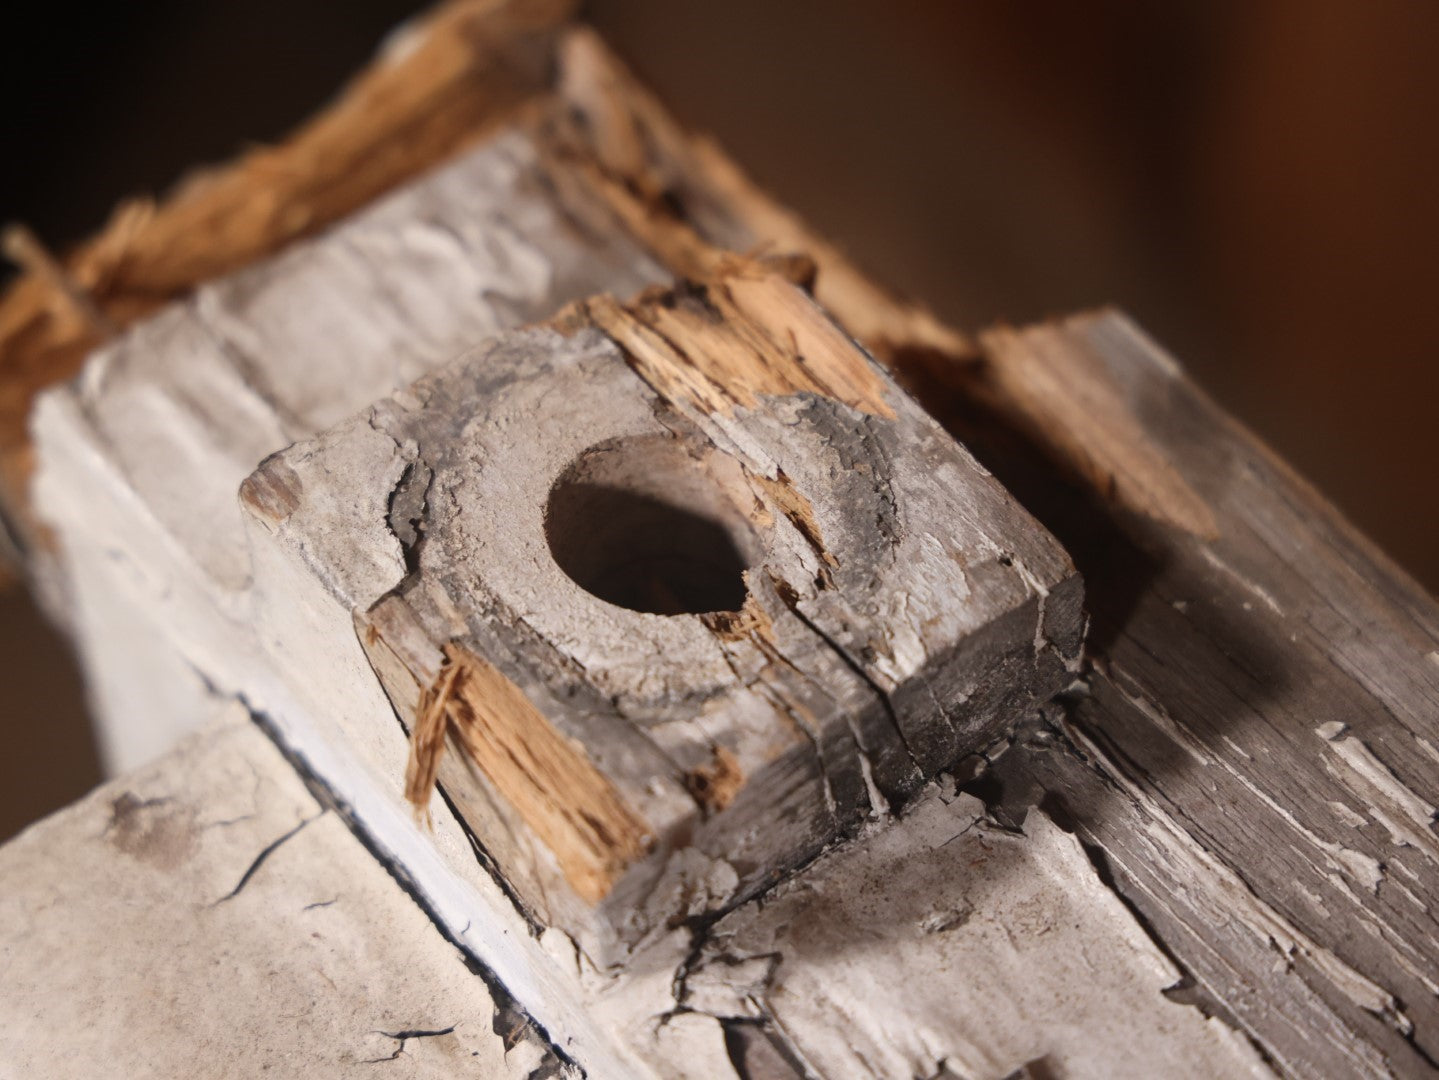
(548, 779)
(896, 610)
(1252, 757)
(745, 333)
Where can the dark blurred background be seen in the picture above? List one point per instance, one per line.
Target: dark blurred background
(1253, 181)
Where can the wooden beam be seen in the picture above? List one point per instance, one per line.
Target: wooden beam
(215, 862)
(1253, 757)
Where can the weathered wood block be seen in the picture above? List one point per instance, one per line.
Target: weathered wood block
(693, 588)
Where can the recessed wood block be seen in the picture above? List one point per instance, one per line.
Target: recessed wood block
(683, 590)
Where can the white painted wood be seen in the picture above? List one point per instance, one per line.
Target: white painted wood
(927, 628)
(146, 450)
(951, 946)
(1256, 736)
(148, 447)
(206, 916)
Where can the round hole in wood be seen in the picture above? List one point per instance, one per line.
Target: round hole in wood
(644, 524)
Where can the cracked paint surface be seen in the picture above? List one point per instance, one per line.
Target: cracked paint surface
(210, 918)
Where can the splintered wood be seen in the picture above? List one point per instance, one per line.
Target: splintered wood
(735, 338)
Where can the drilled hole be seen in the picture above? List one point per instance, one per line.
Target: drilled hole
(642, 524)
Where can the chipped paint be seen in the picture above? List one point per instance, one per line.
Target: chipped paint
(1406, 816)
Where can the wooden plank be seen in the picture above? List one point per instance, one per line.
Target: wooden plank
(951, 946)
(1248, 763)
(217, 857)
(181, 409)
(152, 445)
(208, 916)
(1251, 763)
(1253, 755)
(443, 85)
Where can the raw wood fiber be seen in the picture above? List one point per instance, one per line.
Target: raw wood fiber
(1222, 833)
(547, 778)
(680, 195)
(454, 79)
(1257, 737)
(1065, 397)
(744, 333)
(715, 785)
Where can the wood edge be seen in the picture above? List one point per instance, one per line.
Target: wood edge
(444, 82)
(641, 156)
(1045, 381)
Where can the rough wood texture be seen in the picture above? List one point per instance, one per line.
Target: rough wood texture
(893, 609)
(178, 411)
(690, 205)
(555, 789)
(216, 857)
(1249, 766)
(441, 86)
(950, 946)
(140, 461)
(1254, 758)
(184, 406)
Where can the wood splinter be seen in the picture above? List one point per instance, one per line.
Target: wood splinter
(591, 832)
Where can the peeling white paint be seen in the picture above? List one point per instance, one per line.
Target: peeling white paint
(1406, 816)
(1195, 863)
